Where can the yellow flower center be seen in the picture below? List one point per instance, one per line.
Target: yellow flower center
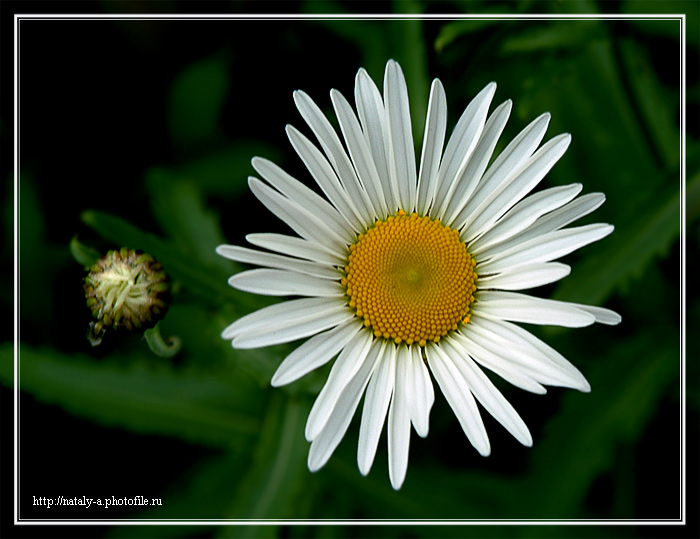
(410, 278)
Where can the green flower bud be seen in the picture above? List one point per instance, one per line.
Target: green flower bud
(125, 289)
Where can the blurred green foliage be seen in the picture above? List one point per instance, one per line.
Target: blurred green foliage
(607, 82)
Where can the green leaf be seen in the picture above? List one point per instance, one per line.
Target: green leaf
(178, 206)
(196, 100)
(554, 35)
(274, 485)
(226, 170)
(454, 30)
(83, 255)
(144, 394)
(625, 254)
(653, 104)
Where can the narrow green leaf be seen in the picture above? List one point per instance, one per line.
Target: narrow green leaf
(225, 171)
(196, 99)
(143, 394)
(655, 107)
(275, 483)
(454, 30)
(84, 255)
(178, 206)
(553, 35)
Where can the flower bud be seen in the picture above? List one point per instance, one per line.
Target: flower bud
(125, 289)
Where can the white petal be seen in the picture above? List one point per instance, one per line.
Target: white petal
(544, 248)
(523, 351)
(345, 367)
(508, 370)
(459, 397)
(282, 314)
(297, 217)
(526, 276)
(324, 444)
(325, 177)
(468, 177)
(523, 214)
(272, 282)
(459, 148)
(402, 159)
(530, 310)
(302, 195)
(360, 153)
(292, 331)
(329, 141)
(433, 140)
(516, 187)
(420, 392)
(399, 426)
(490, 398)
(602, 315)
(370, 109)
(315, 352)
(556, 219)
(251, 256)
(374, 411)
(507, 164)
(298, 248)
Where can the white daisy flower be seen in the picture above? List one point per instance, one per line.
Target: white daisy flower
(405, 272)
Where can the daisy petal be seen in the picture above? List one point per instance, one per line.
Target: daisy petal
(296, 247)
(526, 276)
(510, 192)
(602, 316)
(399, 426)
(298, 218)
(374, 411)
(490, 398)
(530, 310)
(524, 351)
(433, 140)
(468, 177)
(297, 329)
(556, 219)
(360, 153)
(508, 164)
(402, 159)
(506, 369)
(544, 248)
(420, 388)
(524, 213)
(302, 195)
(370, 109)
(325, 177)
(345, 367)
(272, 282)
(314, 353)
(282, 314)
(332, 147)
(462, 142)
(251, 256)
(459, 397)
(324, 444)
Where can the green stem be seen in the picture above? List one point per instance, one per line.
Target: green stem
(158, 346)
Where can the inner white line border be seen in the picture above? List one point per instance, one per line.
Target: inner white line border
(206, 17)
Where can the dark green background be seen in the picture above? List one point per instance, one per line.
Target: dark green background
(140, 134)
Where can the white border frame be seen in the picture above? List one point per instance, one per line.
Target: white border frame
(506, 522)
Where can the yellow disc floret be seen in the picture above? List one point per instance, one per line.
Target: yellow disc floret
(410, 279)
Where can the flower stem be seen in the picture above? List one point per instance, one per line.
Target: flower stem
(158, 346)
